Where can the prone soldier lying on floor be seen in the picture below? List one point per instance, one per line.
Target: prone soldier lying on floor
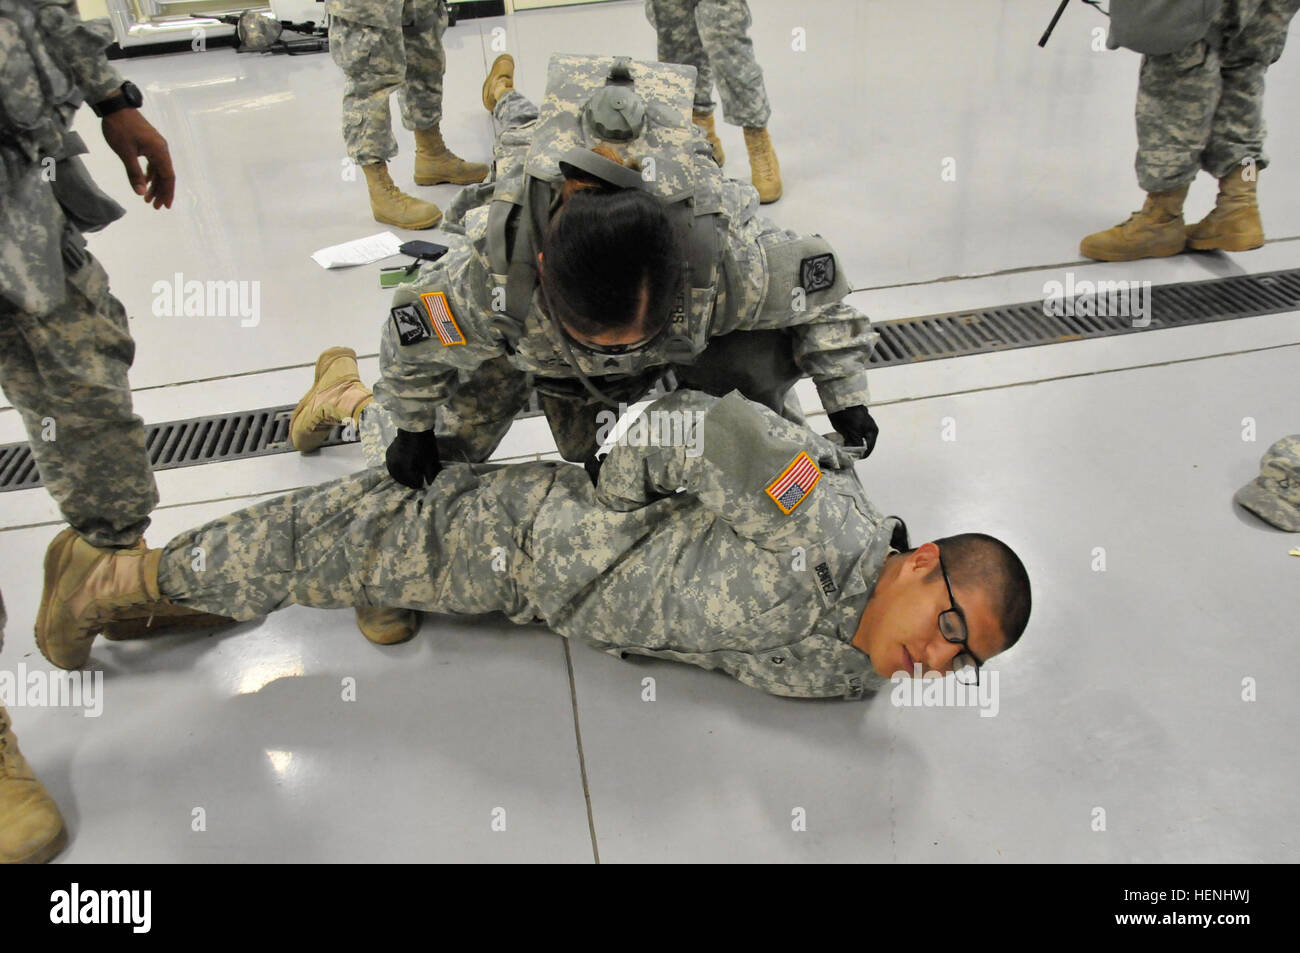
(747, 545)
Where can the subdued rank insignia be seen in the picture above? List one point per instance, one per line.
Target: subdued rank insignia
(795, 483)
(411, 324)
(817, 273)
(444, 324)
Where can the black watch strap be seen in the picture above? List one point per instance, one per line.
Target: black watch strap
(131, 98)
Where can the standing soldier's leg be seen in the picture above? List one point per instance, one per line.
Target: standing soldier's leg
(423, 24)
(31, 827)
(679, 42)
(724, 30)
(723, 27)
(372, 58)
(66, 373)
(1235, 153)
(1177, 96)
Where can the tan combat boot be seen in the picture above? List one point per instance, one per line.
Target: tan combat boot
(705, 122)
(31, 827)
(87, 587)
(387, 626)
(336, 395)
(143, 621)
(435, 163)
(1156, 230)
(500, 78)
(1233, 224)
(392, 206)
(766, 171)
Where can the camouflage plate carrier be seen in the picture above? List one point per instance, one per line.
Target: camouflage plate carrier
(643, 111)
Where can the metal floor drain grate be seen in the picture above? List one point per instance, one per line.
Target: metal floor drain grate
(188, 443)
(254, 433)
(1009, 326)
(185, 443)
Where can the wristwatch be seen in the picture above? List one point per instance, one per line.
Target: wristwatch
(131, 98)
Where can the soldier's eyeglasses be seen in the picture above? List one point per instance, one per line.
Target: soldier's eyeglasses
(952, 626)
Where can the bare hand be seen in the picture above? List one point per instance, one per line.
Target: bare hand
(131, 136)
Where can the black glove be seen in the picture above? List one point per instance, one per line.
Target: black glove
(592, 466)
(412, 458)
(856, 426)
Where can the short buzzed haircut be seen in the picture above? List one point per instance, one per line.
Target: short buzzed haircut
(974, 560)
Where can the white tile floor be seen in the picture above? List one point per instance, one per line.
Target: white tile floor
(1125, 693)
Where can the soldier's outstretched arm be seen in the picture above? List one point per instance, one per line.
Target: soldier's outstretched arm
(438, 329)
(755, 469)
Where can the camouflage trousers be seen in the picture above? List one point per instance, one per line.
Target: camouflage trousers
(366, 540)
(396, 47)
(66, 373)
(1203, 107)
(514, 109)
(713, 36)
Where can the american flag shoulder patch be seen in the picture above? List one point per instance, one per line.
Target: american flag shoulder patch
(795, 483)
(440, 316)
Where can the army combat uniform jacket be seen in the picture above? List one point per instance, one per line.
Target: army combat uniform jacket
(447, 325)
(755, 555)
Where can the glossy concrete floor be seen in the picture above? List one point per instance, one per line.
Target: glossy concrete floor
(1125, 694)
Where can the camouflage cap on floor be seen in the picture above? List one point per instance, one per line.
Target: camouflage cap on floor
(1274, 495)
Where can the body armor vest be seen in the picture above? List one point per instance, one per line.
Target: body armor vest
(642, 110)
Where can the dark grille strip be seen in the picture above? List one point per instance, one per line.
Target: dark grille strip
(1006, 327)
(255, 433)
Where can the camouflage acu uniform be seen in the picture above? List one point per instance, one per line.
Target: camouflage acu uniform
(65, 346)
(1203, 107)
(382, 46)
(713, 36)
(719, 575)
(772, 311)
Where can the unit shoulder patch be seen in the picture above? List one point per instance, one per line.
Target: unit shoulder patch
(443, 321)
(411, 324)
(817, 273)
(795, 483)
